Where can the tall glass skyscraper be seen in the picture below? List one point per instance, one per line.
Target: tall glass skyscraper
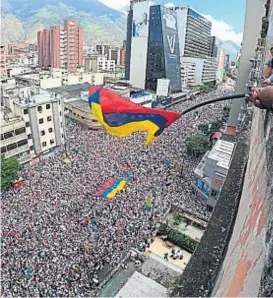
(152, 47)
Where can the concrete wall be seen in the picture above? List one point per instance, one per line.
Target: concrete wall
(235, 255)
(255, 10)
(242, 269)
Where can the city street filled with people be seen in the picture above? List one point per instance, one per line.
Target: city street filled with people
(59, 239)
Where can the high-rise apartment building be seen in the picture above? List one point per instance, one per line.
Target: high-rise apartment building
(3, 62)
(221, 64)
(213, 47)
(102, 49)
(194, 32)
(227, 63)
(61, 47)
(123, 57)
(152, 50)
(118, 55)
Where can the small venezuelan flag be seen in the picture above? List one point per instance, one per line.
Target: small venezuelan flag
(111, 188)
(121, 117)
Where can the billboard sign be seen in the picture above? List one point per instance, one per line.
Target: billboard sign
(171, 49)
(141, 14)
(170, 26)
(139, 45)
(162, 87)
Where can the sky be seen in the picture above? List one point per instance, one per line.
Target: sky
(227, 17)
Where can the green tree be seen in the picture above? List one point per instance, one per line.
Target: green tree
(9, 172)
(204, 128)
(197, 145)
(177, 238)
(204, 88)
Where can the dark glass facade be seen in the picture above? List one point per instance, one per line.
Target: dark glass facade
(155, 55)
(128, 44)
(163, 57)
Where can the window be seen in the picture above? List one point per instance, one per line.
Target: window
(44, 144)
(49, 119)
(2, 137)
(20, 131)
(40, 109)
(3, 149)
(60, 113)
(59, 102)
(41, 120)
(29, 136)
(8, 135)
(11, 146)
(42, 133)
(47, 106)
(50, 130)
(25, 111)
(52, 142)
(31, 148)
(61, 124)
(27, 124)
(22, 143)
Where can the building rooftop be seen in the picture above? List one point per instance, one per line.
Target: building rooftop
(190, 225)
(79, 104)
(222, 153)
(37, 99)
(7, 118)
(159, 248)
(71, 91)
(141, 286)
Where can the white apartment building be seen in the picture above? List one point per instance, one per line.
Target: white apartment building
(14, 142)
(29, 60)
(188, 69)
(196, 71)
(221, 64)
(41, 124)
(44, 118)
(95, 62)
(209, 72)
(106, 65)
(57, 78)
(212, 171)
(194, 32)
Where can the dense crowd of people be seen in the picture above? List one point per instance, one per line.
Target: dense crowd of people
(57, 236)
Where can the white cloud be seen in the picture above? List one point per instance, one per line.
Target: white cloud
(220, 28)
(224, 31)
(169, 5)
(116, 4)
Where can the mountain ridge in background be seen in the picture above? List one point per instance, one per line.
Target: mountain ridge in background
(21, 19)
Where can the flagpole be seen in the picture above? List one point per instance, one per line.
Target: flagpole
(222, 98)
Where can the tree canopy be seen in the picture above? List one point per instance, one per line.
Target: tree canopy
(197, 145)
(9, 172)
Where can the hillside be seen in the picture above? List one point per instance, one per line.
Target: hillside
(21, 19)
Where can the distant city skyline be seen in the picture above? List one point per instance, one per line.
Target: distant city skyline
(227, 18)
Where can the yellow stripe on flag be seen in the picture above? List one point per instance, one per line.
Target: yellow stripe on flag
(120, 187)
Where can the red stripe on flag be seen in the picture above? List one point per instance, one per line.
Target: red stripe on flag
(109, 182)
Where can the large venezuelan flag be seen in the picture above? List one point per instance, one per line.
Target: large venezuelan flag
(121, 117)
(111, 188)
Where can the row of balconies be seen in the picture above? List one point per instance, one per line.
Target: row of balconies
(198, 30)
(200, 22)
(16, 151)
(192, 39)
(14, 139)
